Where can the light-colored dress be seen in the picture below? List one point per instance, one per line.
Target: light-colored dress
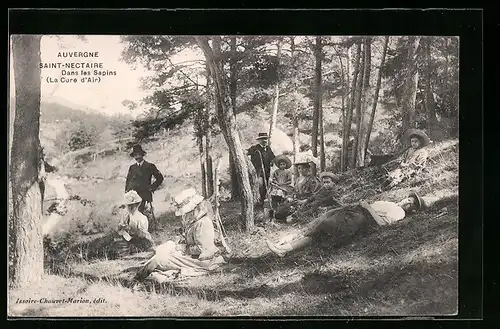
(137, 225)
(412, 162)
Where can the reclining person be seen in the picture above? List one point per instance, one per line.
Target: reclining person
(412, 161)
(196, 252)
(347, 221)
(326, 197)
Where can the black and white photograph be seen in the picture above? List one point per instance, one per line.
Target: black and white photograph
(233, 175)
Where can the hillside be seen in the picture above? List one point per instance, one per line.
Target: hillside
(409, 268)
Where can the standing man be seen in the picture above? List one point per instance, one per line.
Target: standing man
(262, 157)
(139, 179)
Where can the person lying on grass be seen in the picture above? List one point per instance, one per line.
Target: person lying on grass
(326, 197)
(305, 187)
(347, 221)
(195, 253)
(133, 226)
(412, 161)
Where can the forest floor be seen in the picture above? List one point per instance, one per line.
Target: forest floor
(409, 268)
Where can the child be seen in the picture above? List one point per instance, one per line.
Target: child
(281, 181)
(327, 196)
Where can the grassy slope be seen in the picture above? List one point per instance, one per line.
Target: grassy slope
(409, 268)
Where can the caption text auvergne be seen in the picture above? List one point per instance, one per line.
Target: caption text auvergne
(77, 72)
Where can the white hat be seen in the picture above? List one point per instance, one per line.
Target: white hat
(306, 157)
(186, 201)
(131, 197)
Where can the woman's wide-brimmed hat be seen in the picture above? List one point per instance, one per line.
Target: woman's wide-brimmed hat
(416, 132)
(137, 149)
(186, 201)
(306, 157)
(415, 195)
(262, 136)
(328, 174)
(284, 158)
(131, 197)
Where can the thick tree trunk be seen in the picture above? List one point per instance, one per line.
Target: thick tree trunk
(227, 121)
(357, 117)
(430, 105)
(375, 99)
(25, 235)
(274, 116)
(317, 95)
(364, 115)
(350, 109)
(409, 93)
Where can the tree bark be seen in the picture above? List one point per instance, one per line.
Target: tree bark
(343, 84)
(201, 150)
(26, 162)
(409, 93)
(295, 116)
(227, 121)
(233, 82)
(276, 94)
(430, 105)
(350, 108)
(364, 115)
(375, 99)
(317, 95)
(208, 135)
(357, 117)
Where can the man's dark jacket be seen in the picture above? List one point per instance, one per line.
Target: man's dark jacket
(139, 180)
(260, 157)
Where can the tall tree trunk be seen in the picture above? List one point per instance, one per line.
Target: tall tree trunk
(357, 117)
(233, 82)
(317, 95)
(342, 83)
(375, 99)
(364, 118)
(322, 160)
(295, 116)
(409, 93)
(350, 109)
(25, 234)
(430, 105)
(202, 154)
(208, 134)
(274, 116)
(227, 121)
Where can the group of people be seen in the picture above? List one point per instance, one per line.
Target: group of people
(196, 250)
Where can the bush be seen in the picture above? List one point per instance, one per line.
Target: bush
(82, 137)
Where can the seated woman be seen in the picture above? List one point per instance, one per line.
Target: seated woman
(346, 222)
(196, 253)
(412, 161)
(133, 227)
(281, 181)
(306, 186)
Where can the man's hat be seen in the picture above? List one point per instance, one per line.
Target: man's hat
(132, 197)
(186, 201)
(262, 136)
(284, 158)
(415, 195)
(328, 174)
(416, 132)
(137, 149)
